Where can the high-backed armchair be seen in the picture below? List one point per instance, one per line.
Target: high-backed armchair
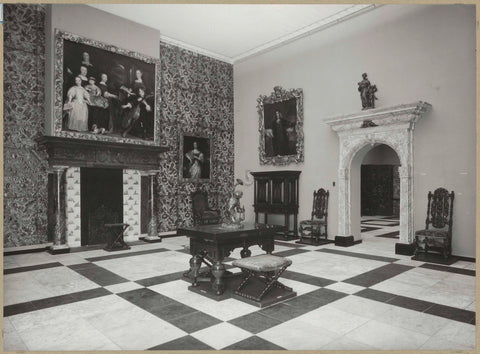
(316, 227)
(437, 235)
(202, 214)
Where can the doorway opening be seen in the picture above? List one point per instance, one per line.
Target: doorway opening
(376, 192)
(101, 203)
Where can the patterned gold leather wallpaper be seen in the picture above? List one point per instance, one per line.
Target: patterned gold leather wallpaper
(25, 167)
(197, 97)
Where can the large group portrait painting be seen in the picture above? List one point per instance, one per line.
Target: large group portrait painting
(107, 93)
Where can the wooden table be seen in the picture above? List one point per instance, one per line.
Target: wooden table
(211, 244)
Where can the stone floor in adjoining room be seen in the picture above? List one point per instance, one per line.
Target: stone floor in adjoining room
(360, 297)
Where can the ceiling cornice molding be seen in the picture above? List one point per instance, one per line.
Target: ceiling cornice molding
(337, 18)
(195, 49)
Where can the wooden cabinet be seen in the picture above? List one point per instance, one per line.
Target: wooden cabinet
(276, 192)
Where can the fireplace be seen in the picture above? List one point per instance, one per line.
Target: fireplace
(101, 202)
(92, 183)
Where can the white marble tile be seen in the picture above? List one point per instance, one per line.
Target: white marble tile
(134, 328)
(345, 287)
(384, 336)
(440, 343)
(75, 334)
(22, 287)
(412, 320)
(13, 342)
(408, 262)
(462, 264)
(49, 317)
(221, 335)
(471, 307)
(458, 332)
(344, 343)
(62, 280)
(224, 310)
(299, 287)
(298, 335)
(360, 306)
(333, 319)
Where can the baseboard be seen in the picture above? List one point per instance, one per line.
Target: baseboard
(466, 259)
(346, 241)
(406, 249)
(10, 251)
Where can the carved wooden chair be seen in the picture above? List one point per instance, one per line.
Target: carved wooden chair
(202, 213)
(437, 235)
(316, 227)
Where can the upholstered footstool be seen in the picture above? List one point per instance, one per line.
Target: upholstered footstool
(266, 267)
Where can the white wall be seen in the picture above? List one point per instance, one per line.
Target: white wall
(94, 24)
(411, 52)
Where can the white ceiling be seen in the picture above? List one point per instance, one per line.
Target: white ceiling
(236, 31)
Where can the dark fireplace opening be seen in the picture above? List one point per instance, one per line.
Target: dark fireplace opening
(101, 203)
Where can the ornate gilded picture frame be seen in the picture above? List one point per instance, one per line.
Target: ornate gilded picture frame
(105, 93)
(195, 159)
(281, 127)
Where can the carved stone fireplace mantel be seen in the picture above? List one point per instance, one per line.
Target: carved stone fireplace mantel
(90, 153)
(394, 127)
(67, 153)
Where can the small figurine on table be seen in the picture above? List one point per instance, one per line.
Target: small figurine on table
(236, 212)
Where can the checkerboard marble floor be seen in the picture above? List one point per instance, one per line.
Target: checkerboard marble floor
(360, 297)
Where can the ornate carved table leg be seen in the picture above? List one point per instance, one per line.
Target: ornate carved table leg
(218, 285)
(195, 263)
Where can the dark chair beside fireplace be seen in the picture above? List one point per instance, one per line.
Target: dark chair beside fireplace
(317, 226)
(437, 235)
(202, 213)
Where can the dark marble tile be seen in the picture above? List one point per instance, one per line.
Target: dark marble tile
(161, 279)
(326, 296)
(194, 321)
(410, 303)
(255, 322)
(30, 268)
(90, 294)
(253, 343)
(375, 295)
(53, 301)
(358, 255)
(378, 275)
(452, 313)
(147, 299)
(455, 270)
(282, 312)
(394, 234)
(172, 311)
(308, 279)
(183, 343)
(287, 253)
(16, 309)
(123, 255)
(288, 244)
(307, 303)
(369, 228)
(97, 274)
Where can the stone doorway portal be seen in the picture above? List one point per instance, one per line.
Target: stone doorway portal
(392, 126)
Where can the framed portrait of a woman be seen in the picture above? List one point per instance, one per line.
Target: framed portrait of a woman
(105, 93)
(281, 127)
(195, 158)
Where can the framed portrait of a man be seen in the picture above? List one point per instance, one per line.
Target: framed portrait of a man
(105, 93)
(281, 127)
(195, 158)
